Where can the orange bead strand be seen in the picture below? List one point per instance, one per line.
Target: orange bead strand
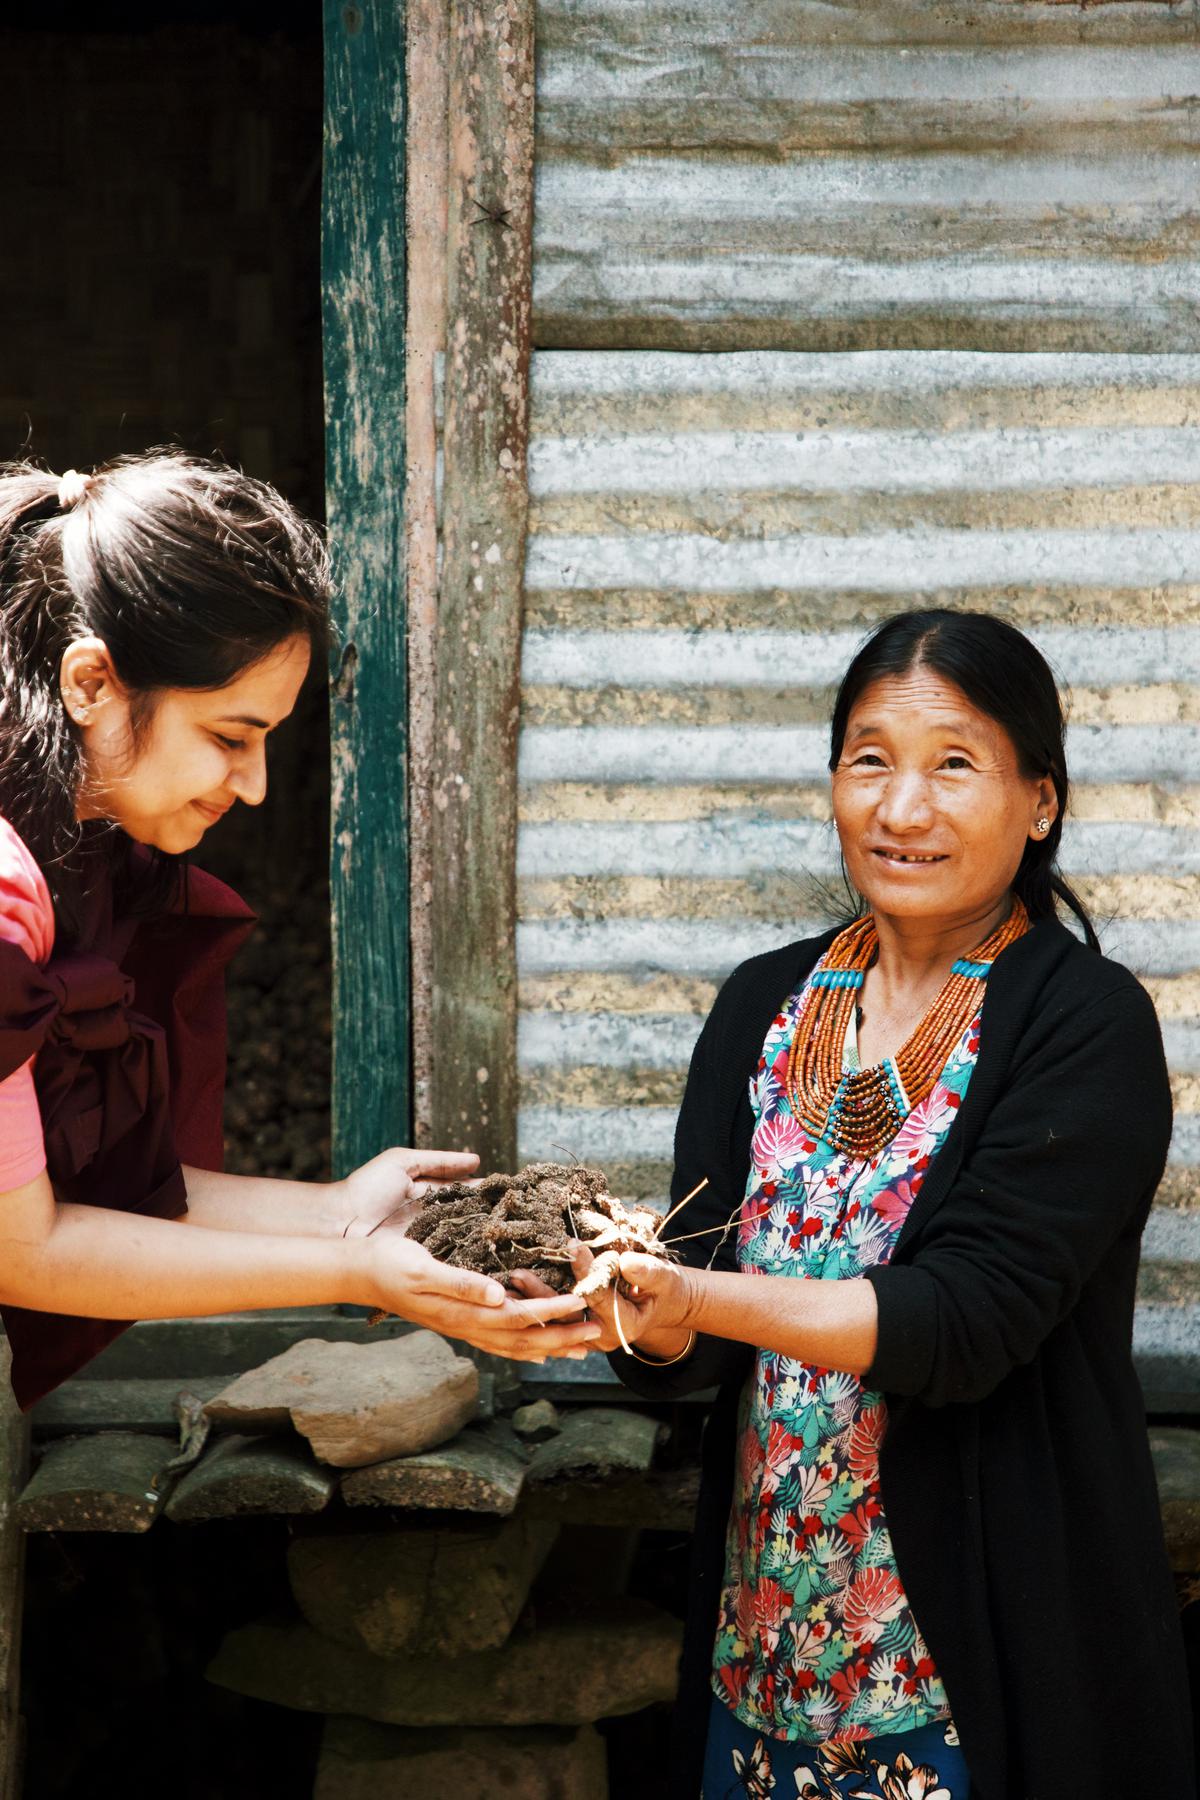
(859, 1112)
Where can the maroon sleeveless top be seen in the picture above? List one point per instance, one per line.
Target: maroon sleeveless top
(128, 1030)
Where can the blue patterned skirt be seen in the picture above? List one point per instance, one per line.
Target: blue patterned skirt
(741, 1764)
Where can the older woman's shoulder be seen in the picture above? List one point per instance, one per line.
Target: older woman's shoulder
(1087, 976)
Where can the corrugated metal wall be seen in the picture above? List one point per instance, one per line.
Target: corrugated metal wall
(712, 534)
(828, 174)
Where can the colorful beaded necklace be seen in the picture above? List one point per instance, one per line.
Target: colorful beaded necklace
(859, 1111)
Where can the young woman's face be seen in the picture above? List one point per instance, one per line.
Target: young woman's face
(203, 748)
(930, 803)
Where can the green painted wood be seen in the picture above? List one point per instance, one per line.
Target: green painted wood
(363, 290)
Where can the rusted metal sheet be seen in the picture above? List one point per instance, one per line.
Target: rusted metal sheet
(710, 537)
(792, 173)
(485, 500)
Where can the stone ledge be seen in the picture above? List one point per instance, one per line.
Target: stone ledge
(570, 1670)
(1176, 1453)
(104, 1482)
(482, 1470)
(242, 1476)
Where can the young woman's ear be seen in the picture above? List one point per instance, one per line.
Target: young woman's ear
(86, 679)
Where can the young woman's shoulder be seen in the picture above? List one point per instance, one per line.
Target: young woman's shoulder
(26, 909)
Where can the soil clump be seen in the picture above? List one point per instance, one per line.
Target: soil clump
(529, 1221)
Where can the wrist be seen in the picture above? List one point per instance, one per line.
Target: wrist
(357, 1273)
(667, 1345)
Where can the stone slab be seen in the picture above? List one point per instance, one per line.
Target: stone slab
(595, 1442)
(357, 1403)
(364, 1761)
(481, 1471)
(104, 1482)
(451, 1586)
(240, 1476)
(593, 1664)
(1176, 1453)
(148, 1404)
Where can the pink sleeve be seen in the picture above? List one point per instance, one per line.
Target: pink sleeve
(26, 920)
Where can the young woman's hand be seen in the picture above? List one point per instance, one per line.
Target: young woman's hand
(654, 1305)
(389, 1189)
(403, 1278)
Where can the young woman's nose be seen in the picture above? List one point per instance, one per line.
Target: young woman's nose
(249, 778)
(905, 803)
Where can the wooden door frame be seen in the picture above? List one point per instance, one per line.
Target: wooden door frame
(426, 246)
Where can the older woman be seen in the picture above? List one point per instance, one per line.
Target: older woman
(928, 1557)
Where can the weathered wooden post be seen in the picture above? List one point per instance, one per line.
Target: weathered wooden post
(363, 286)
(474, 823)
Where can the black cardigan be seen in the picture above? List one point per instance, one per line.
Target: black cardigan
(1015, 1473)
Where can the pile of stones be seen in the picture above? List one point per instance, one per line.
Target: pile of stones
(470, 1640)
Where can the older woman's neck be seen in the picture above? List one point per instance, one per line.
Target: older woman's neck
(914, 951)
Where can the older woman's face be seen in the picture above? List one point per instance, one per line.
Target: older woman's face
(931, 806)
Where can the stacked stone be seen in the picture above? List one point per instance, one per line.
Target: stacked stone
(471, 1639)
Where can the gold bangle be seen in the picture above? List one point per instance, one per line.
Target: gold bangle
(664, 1362)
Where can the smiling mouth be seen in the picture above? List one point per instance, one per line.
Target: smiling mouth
(908, 856)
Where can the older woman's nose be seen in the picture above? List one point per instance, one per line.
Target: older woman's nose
(905, 804)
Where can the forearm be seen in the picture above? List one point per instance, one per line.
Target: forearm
(833, 1324)
(261, 1204)
(108, 1265)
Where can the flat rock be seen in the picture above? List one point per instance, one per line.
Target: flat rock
(573, 1670)
(481, 1471)
(357, 1403)
(536, 1422)
(239, 1476)
(452, 1586)
(364, 1761)
(104, 1482)
(594, 1442)
(1176, 1453)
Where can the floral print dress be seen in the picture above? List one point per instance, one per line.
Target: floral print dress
(815, 1639)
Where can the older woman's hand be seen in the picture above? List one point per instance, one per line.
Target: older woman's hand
(653, 1303)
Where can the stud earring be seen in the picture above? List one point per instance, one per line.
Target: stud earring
(1043, 825)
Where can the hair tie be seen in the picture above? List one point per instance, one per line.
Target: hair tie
(71, 489)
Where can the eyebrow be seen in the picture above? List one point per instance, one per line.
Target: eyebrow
(244, 719)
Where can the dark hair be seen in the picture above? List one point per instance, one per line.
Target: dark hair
(1003, 675)
(190, 572)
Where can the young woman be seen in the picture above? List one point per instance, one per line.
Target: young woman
(928, 1554)
(157, 621)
